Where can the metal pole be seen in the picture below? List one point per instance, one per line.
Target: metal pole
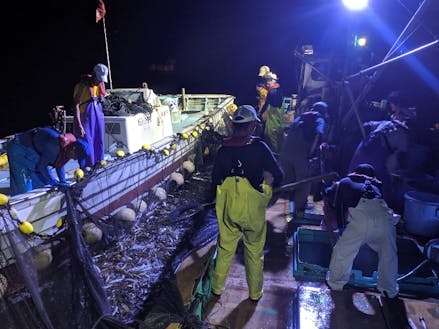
(355, 107)
(395, 44)
(392, 59)
(377, 74)
(108, 55)
(183, 99)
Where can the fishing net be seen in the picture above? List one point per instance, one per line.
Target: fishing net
(54, 285)
(124, 280)
(126, 103)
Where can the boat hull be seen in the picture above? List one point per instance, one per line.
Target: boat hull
(105, 190)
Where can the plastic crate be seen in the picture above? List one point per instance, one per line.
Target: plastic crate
(312, 254)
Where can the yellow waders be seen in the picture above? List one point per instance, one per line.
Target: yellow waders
(240, 209)
(273, 126)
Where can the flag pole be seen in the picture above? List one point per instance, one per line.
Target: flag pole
(108, 54)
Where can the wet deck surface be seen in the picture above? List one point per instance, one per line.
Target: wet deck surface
(288, 303)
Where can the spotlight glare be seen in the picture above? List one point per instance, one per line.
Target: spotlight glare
(362, 42)
(355, 4)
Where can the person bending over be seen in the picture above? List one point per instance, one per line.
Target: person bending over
(33, 153)
(369, 220)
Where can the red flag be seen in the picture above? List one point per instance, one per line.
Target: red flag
(100, 11)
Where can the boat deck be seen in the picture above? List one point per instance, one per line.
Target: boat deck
(289, 303)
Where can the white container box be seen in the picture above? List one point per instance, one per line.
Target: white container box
(129, 133)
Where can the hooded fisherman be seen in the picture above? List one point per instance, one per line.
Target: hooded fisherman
(88, 123)
(33, 153)
(243, 174)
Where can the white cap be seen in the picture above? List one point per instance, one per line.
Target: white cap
(263, 70)
(245, 113)
(270, 76)
(101, 72)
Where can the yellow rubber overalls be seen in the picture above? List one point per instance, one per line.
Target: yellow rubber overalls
(273, 125)
(240, 209)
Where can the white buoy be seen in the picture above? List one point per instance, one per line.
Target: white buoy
(126, 215)
(43, 259)
(91, 233)
(188, 166)
(175, 181)
(140, 206)
(160, 193)
(177, 178)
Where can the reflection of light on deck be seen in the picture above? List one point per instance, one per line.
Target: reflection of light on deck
(316, 306)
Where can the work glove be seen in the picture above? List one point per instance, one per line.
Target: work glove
(62, 186)
(268, 177)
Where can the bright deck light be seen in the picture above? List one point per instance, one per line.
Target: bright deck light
(356, 4)
(362, 42)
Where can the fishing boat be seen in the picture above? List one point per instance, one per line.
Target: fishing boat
(143, 148)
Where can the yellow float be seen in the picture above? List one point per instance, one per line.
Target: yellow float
(3, 199)
(120, 153)
(146, 147)
(26, 227)
(79, 174)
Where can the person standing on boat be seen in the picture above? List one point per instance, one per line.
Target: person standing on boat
(399, 109)
(272, 113)
(261, 87)
(299, 148)
(33, 154)
(88, 113)
(243, 175)
(261, 97)
(369, 220)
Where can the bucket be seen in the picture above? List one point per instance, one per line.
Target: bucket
(421, 213)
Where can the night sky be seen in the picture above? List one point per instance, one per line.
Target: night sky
(203, 46)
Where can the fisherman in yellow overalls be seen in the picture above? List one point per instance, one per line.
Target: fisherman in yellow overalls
(272, 112)
(243, 173)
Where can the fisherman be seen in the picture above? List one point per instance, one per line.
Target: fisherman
(261, 88)
(243, 175)
(367, 219)
(32, 153)
(88, 95)
(272, 112)
(261, 97)
(299, 147)
(385, 148)
(399, 109)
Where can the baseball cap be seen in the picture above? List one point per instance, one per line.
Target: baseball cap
(101, 72)
(320, 106)
(269, 76)
(245, 113)
(365, 169)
